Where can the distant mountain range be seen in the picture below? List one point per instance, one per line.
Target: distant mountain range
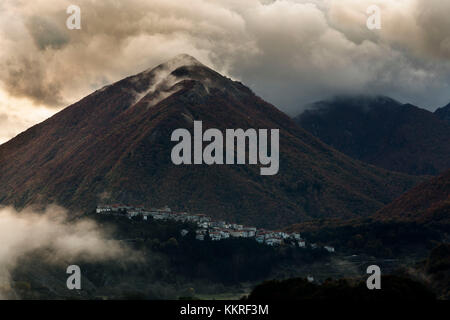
(114, 146)
(383, 132)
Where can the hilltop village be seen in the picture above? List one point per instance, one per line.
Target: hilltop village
(207, 227)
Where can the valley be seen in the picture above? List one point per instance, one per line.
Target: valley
(174, 266)
(324, 211)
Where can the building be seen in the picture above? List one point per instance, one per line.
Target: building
(103, 209)
(236, 233)
(259, 239)
(249, 232)
(200, 237)
(296, 236)
(219, 224)
(132, 213)
(203, 224)
(217, 230)
(215, 235)
(225, 234)
(273, 241)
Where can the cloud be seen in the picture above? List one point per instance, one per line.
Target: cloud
(290, 52)
(17, 114)
(46, 33)
(23, 233)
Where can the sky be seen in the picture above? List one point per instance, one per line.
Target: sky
(289, 52)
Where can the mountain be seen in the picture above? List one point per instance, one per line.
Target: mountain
(443, 113)
(427, 202)
(115, 146)
(383, 132)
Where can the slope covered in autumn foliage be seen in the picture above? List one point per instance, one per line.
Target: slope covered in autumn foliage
(429, 201)
(114, 146)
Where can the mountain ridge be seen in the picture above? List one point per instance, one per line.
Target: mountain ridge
(114, 145)
(383, 132)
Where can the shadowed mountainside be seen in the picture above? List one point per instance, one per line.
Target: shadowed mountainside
(443, 113)
(383, 132)
(429, 201)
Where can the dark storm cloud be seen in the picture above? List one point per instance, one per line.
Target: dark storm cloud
(290, 52)
(27, 77)
(47, 33)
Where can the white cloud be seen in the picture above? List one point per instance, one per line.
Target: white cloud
(290, 52)
(25, 232)
(18, 114)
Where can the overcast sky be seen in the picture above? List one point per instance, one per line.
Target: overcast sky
(289, 52)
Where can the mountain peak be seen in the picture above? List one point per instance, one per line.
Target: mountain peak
(161, 80)
(183, 60)
(158, 83)
(180, 60)
(361, 101)
(183, 71)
